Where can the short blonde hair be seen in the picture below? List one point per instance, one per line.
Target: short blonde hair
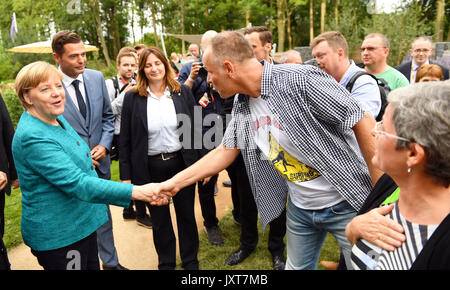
(126, 51)
(335, 40)
(31, 75)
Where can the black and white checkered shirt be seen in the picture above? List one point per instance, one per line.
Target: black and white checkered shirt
(317, 115)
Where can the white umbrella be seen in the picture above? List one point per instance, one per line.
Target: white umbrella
(42, 47)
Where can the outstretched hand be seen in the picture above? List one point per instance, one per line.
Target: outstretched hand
(154, 193)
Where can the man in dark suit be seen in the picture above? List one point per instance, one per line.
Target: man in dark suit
(8, 174)
(421, 51)
(191, 76)
(88, 111)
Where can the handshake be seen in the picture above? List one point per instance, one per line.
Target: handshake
(155, 193)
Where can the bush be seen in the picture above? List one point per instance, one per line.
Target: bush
(14, 106)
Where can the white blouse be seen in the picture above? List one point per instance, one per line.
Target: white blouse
(163, 136)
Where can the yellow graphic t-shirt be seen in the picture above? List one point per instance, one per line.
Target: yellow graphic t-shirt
(287, 165)
(308, 188)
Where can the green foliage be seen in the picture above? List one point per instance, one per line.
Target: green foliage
(14, 106)
(38, 19)
(13, 212)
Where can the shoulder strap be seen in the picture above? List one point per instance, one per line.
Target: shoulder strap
(352, 81)
(115, 81)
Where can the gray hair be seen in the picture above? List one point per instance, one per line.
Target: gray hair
(422, 38)
(231, 45)
(421, 114)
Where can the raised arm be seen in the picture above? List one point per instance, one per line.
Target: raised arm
(211, 164)
(363, 132)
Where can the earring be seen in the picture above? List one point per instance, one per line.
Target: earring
(409, 170)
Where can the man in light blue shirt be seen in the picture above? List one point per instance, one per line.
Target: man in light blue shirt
(330, 50)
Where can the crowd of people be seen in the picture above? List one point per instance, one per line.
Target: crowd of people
(358, 150)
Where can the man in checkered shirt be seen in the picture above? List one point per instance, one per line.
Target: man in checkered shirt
(300, 132)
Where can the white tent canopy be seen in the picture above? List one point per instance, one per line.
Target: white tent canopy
(42, 47)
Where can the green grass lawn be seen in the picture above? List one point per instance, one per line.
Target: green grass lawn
(213, 257)
(210, 257)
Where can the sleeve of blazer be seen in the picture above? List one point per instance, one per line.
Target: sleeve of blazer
(8, 134)
(107, 117)
(125, 137)
(50, 158)
(445, 72)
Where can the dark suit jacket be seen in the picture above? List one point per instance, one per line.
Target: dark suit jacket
(405, 69)
(133, 162)
(6, 136)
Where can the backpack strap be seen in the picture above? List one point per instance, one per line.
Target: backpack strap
(352, 81)
(115, 81)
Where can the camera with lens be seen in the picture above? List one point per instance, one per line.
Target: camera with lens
(202, 72)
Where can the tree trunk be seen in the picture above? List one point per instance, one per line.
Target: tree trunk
(311, 20)
(323, 11)
(98, 25)
(153, 10)
(183, 45)
(289, 13)
(439, 20)
(271, 17)
(132, 21)
(115, 31)
(281, 24)
(336, 12)
(247, 17)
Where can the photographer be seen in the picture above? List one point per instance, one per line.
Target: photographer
(194, 76)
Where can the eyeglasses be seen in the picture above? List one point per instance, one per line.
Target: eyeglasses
(418, 51)
(379, 129)
(370, 48)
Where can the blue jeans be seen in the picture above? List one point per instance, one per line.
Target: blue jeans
(307, 230)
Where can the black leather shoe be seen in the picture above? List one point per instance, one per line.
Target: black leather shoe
(238, 256)
(145, 221)
(118, 267)
(279, 262)
(129, 215)
(214, 236)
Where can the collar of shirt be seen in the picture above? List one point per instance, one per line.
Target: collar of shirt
(67, 81)
(266, 80)
(349, 73)
(152, 95)
(415, 66)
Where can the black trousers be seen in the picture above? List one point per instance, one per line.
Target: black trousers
(82, 255)
(163, 233)
(4, 262)
(207, 202)
(248, 214)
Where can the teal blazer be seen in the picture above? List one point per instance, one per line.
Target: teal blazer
(63, 200)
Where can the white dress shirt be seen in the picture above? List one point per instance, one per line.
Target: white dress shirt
(162, 124)
(67, 81)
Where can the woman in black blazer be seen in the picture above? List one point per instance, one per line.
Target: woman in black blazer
(8, 173)
(153, 150)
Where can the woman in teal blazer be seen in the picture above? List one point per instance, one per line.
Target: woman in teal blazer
(63, 200)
